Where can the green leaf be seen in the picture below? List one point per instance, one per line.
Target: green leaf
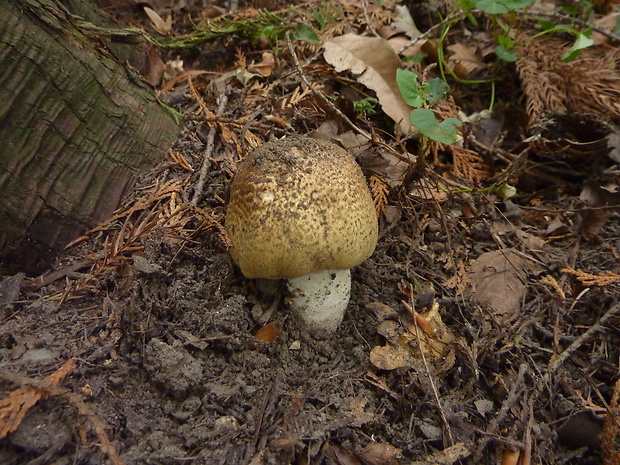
(505, 54)
(437, 89)
(426, 122)
(409, 88)
(545, 24)
(305, 33)
(517, 4)
(493, 7)
(417, 58)
(268, 31)
(582, 41)
(506, 41)
(505, 191)
(500, 7)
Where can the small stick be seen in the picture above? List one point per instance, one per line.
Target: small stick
(207, 155)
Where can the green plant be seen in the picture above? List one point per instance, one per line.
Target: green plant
(421, 96)
(507, 14)
(367, 106)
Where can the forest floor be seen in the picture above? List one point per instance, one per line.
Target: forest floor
(484, 329)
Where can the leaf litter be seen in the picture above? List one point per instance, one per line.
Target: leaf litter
(514, 229)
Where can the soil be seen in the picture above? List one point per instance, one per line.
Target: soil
(181, 360)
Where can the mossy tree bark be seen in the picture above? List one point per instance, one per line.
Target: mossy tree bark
(76, 129)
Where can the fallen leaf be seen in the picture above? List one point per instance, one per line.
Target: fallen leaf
(464, 60)
(448, 456)
(265, 67)
(268, 333)
(392, 356)
(607, 23)
(604, 200)
(375, 63)
(159, 24)
(153, 70)
(498, 280)
(379, 453)
(433, 339)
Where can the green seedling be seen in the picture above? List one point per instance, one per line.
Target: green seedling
(421, 96)
(367, 106)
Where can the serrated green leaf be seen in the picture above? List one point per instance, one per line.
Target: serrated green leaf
(409, 88)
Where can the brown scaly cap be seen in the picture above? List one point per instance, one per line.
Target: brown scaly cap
(298, 206)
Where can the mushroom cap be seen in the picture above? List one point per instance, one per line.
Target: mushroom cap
(298, 206)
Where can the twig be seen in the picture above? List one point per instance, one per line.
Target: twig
(579, 22)
(207, 155)
(517, 388)
(367, 18)
(320, 94)
(428, 371)
(331, 105)
(570, 350)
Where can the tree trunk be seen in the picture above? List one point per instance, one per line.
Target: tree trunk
(76, 129)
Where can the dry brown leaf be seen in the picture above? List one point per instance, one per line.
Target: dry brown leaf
(375, 63)
(448, 456)
(379, 453)
(403, 350)
(392, 356)
(159, 24)
(427, 189)
(498, 280)
(153, 70)
(464, 60)
(604, 201)
(268, 333)
(607, 23)
(265, 67)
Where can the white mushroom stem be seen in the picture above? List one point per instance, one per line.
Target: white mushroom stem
(321, 298)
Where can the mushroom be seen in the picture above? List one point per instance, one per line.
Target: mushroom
(300, 209)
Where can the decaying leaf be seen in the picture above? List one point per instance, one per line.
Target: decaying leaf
(393, 355)
(161, 25)
(604, 202)
(498, 280)
(403, 349)
(464, 60)
(379, 453)
(265, 67)
(448, 456)
(268, 333)
(375, 63)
